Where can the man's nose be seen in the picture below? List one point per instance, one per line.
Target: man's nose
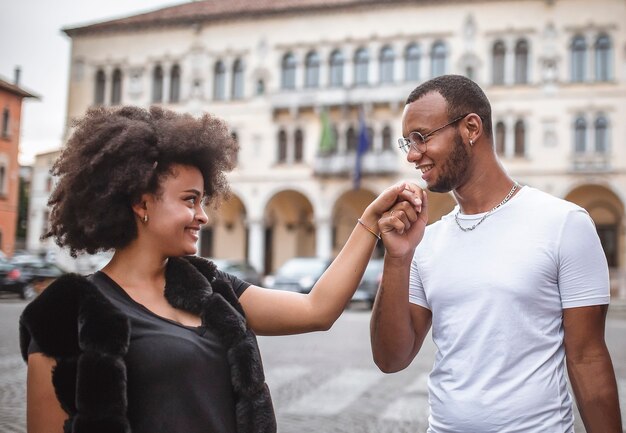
(414, 154)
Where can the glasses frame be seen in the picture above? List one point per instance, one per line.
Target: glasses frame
(405, 144)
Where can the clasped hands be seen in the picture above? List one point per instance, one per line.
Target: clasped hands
(402, 212)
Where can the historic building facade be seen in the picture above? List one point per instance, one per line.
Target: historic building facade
(313, 90)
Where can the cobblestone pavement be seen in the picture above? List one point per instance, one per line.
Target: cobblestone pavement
(12, 383)
(320, 382)
(12, 368)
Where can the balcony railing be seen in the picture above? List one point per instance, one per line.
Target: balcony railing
(394, 94)
(342, 165)
(591, 162)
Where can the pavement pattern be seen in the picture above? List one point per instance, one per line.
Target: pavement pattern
(320, 382)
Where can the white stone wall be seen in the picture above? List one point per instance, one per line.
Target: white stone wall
(547, 105)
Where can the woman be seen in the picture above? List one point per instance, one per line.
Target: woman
(159, 340)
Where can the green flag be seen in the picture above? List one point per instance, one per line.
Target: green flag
(327, 137)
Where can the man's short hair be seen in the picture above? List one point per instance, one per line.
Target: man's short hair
(462, 96)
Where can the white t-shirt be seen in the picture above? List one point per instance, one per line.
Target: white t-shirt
(496, 295)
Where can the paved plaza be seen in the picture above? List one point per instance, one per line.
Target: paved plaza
(320, 382)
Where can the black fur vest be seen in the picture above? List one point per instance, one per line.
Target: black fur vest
(77, 325)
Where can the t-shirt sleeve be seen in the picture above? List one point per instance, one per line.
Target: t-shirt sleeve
(239, 285)
(33, 347)
(583, 271)
(416, 288)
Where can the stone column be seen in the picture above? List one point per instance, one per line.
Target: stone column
(256, 243)
(323, 237)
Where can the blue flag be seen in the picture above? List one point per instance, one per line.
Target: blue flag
(361, 148)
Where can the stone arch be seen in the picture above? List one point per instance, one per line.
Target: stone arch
(225, 236)
(348, 207)
(289, 228)
(439, 205)
(607, 211)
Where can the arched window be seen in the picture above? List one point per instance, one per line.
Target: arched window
(412, 63)
(520, 138)
(499, 52)
(260, 86)
(351, 140)
(299, 146)
(116, 88)
(578, 58)
(235, 138)
(387, 141)
(100, 85)
(219, 81)
(602, 134)
(237, 85)
(175, 84)
(387, 59)
(603, 58)
(336, 69)
(438, 56)
(521, 62)
(288, 76)
(6, 119)
(157, 84)
(312, 70)
(580, 135)
(500, 138)
(282, 146)
(361, 67)
(3, 181)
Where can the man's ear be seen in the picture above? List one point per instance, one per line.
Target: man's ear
(473, 126)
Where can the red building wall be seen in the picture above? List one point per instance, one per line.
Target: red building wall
(11, 98)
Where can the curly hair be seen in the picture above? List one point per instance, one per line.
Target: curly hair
(462, 96)
(116, 155)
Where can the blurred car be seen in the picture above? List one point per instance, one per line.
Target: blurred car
(298, 274)
(240, 269)
(13, 280)
(35, 273)
(366, 291)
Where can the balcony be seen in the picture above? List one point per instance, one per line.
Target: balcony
(326, 97)
(591, 162)
(343, 165)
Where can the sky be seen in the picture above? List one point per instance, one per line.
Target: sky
(31, 38)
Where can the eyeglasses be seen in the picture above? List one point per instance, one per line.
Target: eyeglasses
(417, 140)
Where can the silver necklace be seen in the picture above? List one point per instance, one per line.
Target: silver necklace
(467, 229)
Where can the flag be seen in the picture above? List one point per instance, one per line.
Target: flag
(361, 148)
(327, 136)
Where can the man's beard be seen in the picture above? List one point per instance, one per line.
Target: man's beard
(454, 169)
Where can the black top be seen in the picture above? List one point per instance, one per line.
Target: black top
(178, 376)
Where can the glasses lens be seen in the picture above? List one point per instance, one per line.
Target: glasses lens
(417, 140)
(404, 144)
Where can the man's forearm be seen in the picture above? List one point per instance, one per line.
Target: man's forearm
(595, 388)
(393, 336)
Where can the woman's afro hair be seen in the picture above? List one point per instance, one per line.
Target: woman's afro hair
(116, 155)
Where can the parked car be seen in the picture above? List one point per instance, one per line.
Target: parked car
(13, 280)
(35, 273)
(366, 291)
(298, 274)
(240, 269)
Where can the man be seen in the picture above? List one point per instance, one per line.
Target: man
(513, 281)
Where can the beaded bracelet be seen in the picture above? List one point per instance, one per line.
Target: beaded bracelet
(368, 228)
